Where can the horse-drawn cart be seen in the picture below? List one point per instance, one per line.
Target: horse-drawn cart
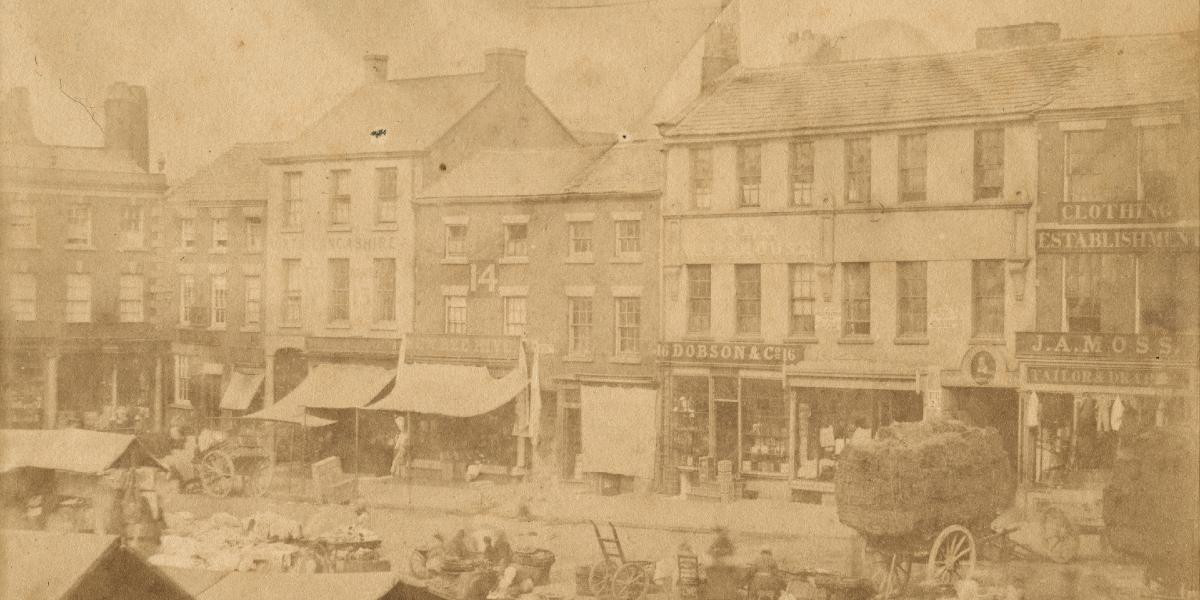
(240, 459)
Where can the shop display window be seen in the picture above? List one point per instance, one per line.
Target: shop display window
(689, 420)
(765, 421)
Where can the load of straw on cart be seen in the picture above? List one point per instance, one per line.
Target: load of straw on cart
(921, 491)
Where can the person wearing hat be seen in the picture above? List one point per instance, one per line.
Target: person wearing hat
(401, 449)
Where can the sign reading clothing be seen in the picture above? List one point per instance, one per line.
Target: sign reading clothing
(768, 355)
(1107, 346)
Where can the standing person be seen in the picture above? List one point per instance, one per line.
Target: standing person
(401, 449)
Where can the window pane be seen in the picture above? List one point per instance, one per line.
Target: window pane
(514, 315)
(456, 241)
(579, 326)
(580, 233)
(989, 163)
(339, 289)
(79, 298)
(749, 174)
(629, 324)
(856, 301)
(1156, 163)
(456, 314)
(23, 297)
(292, 292)
(748, 298)
(802, 173)
(292, 201)
(515, 239)
(253, 298)
(988, 292)
(385, 188)
(629, 237)
(385, 290)
(701, 177)
(858, 170)
(1083, 156)
(131, 297)
(699, 298)
(803, 300)
(912, 168)
(911, 296)
(339, 197)
(220, 296)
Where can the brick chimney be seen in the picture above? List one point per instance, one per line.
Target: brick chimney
(1015, 36)
(375, 68)
(16, 121)
(505, 65)
(720, 47)
(126, 122)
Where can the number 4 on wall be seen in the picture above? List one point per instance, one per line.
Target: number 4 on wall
(483, 275)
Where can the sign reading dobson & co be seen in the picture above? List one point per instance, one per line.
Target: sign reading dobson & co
(731, 353)
(1053, 375)
(1107, 346)
(1109, 240)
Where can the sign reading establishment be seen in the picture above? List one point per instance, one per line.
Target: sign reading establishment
(731, 353)
(1110, 240)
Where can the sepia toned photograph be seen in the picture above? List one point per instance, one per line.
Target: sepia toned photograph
(600, 300)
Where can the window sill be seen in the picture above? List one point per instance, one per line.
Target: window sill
(748, 338)
(513, 260)
(290, 325)
(699, 336)
(338, 227)
(84, 247)
(625, 359)
(863, 340)
(23, 247)
(580, 259)
(627, 258)
(252, 251)
(291, 230)
(386, 227)
(454, 260)
(251, 329)
(578, 358)
(987, 340)
(338, 325)
(216, 327)
(218, 250)
(183, 325)
(384, 326)
(186, 250)
(134, 249)
(911, 341)
(801, 339)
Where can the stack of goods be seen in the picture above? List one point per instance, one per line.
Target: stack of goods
(916, 478)
(222, 542)
(538, 559)
(1150, 507)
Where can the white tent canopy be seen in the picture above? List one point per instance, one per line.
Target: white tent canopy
(452, 390)
(330, 386)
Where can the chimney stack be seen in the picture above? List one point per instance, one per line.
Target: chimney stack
(126, 122)
(375, 68)
(505, 65)
(16, 121)
(1016, 36)
(720, 48)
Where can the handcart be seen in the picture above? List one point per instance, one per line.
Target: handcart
(614, 576)
(950, 556)
(237, 460)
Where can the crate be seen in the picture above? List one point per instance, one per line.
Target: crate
(582, 588)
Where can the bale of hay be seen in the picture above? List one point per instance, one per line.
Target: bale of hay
(916, 478)
(1150, 506)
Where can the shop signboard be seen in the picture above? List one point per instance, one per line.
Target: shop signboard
(730, 353)
(479, 347)
(1072, 241)
(1074, 376)
(1127, 347)
(352, 346)
(1116, 212)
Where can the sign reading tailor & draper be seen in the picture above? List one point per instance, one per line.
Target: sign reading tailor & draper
(738, 353)
(1106, 376)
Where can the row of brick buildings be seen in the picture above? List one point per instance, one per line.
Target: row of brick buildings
(1007, 235)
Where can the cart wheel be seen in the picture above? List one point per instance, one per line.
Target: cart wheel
(1059, 536)
(952, 557)
(417, 565)
(258, 481)
(216, 474)
(630, 582)
(600, 577)
(888, 572)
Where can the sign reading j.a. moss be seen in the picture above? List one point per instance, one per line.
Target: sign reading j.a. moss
(729, 353)
(1107, 346)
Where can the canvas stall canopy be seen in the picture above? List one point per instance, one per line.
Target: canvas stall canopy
(618, 430)
(328, 386)
(74, 450)
(288, 586)
(452, 390)
(242, 389)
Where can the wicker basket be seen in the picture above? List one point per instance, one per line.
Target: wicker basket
(539, 559)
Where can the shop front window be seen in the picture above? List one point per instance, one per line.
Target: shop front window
(764, 427)
(689, 420)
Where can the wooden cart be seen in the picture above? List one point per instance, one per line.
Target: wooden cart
(242, 461)
(949, 555)
(614, 575)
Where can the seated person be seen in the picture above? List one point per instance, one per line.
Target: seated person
(764, 576)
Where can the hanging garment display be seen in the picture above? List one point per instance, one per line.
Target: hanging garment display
(1160, 414)
(1032, 408)
(1118, 413)
(1104, 404)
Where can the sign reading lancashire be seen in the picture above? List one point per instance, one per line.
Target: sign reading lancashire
(478, 347)
(1107, 346)
(769, 355)
(1108, 240)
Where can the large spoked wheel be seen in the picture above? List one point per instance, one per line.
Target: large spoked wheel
(258, 481)
(600, 577)
(630, 582)
(952, 557)
(889, 572)
(1060, 539)
(216, 474)
(418, 564)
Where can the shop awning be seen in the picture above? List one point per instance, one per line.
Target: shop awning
(328, 386)
(618, 430)
(452, 390)
(241, 390)
(74, 450)
(286, 586)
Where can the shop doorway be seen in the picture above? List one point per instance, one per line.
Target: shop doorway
(991, 407)
(725, 413)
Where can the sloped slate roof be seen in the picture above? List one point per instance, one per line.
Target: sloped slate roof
(626, 168)
(507, 173)
(236, 175)
(977, 83)
(413, 112)
(1134, 70)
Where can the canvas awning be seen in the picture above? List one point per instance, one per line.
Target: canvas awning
(241, 390)
(328, 386)
(74, 450)
(618, 430)
(452, 390)
(287, 586)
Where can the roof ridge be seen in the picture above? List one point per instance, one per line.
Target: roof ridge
(430, 77)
